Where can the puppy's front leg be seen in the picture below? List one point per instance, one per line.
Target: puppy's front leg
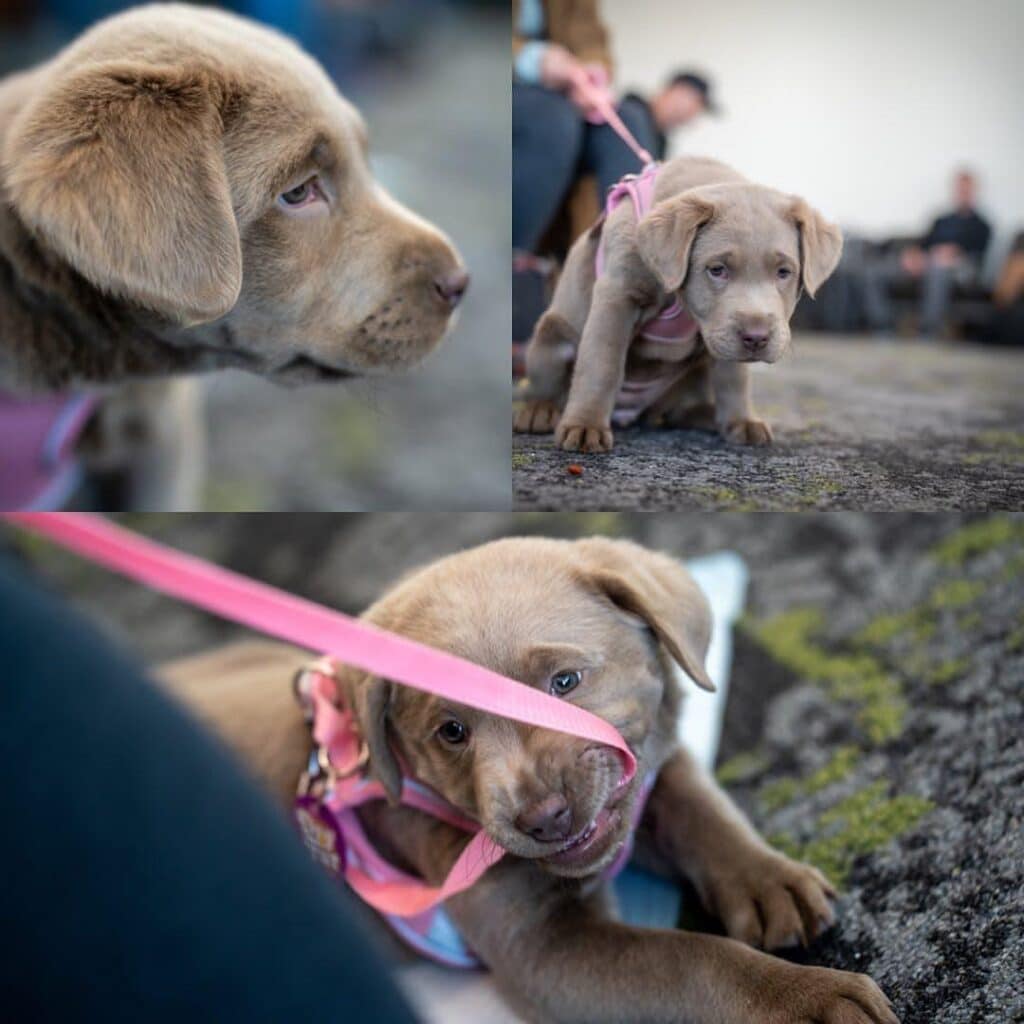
(600, 363)
(762, 897)
(558, 960)
(734, 410)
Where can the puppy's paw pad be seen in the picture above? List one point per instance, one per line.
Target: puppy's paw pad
(536, 418)
(578, 438)
(753, 432)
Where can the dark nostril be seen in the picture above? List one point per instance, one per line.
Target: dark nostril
(452, 286)
(755, 340)
(546, 821)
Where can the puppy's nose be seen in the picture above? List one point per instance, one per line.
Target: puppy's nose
(547, 820)
(755, 339)
(452, 286)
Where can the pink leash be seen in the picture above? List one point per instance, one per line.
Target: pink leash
(352, 641)
(600, 100)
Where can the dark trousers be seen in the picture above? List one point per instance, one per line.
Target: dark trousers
(552, 146)
(144, 877)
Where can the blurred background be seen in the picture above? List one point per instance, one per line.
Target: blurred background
(874, 722)
(428, 76)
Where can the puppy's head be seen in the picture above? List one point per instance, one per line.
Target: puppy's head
(739, 252)
(593, 622)
(203, 168)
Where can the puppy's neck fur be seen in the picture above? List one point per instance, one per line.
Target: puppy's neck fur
(58, 331)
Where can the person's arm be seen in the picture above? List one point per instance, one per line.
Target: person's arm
(146, 878)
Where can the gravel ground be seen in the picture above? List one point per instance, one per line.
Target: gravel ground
(876, 715)
(859, 423)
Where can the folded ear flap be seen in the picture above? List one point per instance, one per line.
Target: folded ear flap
(119, 168)
(371, 698)
(665, 236)
(821, 245)
(659, 590)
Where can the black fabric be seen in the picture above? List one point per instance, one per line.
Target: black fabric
(144, 878)
(967, 230)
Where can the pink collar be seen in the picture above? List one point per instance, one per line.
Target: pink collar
(38, 468)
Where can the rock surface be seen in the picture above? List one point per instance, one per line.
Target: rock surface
(875, 721)
(859, 423)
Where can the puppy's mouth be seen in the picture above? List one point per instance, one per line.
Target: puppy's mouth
(306, 370)
(589, 845)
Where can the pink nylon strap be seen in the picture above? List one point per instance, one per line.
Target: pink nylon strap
(352, 641)
(601, 102)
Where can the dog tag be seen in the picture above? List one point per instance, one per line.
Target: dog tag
(320, 833)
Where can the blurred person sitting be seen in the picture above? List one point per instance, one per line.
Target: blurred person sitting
(553, 142)
(950, 253)
(684, 97)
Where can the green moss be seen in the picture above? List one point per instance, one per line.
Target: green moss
(725, 497)
(856, 677)
(743, 767)
(1015, 640)
(784, 791)
(977, 539)
(520, 460)
(969, 621)
(224, 494)
(947, 671)
(863, 822)
(955, 593)
(1006, 439)
(354, 436)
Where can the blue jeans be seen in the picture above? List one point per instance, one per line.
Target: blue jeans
(552, 146)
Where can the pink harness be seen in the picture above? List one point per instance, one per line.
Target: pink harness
(337, 784)
(38, 468)
(672, 325)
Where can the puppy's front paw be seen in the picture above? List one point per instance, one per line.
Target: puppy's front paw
(767, 900)
(536, 417)
(741, 431)
(580, 437)
(796, 995)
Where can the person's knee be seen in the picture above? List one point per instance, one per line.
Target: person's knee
(544, 118)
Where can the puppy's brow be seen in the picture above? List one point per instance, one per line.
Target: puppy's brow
(313, 152)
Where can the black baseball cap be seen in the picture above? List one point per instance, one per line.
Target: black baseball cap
(701, 84)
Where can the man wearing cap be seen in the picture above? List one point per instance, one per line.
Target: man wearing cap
(553, 141)
(680, 101)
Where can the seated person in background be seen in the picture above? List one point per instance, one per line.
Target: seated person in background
(680, 101)
(951, 252)
(552, 141)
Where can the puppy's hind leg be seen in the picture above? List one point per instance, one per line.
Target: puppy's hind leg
(549, 359)
(688, 404)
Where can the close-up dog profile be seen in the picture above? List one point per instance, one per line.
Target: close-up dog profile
(665, 301)
(185, 190)
(602, 624)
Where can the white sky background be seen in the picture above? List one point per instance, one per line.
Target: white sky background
(863, 107)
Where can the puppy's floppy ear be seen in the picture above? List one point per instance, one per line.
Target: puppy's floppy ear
(119, 168)
(821, 245)
(659, 590)
(371, 698)
(665, 236)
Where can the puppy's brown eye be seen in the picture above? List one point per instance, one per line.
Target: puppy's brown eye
(784, 273)
(301, 194)
(453, 732)
(718, 271)
(564, 682)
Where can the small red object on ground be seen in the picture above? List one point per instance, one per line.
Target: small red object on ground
(575, 469)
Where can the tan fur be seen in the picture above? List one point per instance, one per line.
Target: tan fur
(704, 213)
(141, 233)
(618, 613)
